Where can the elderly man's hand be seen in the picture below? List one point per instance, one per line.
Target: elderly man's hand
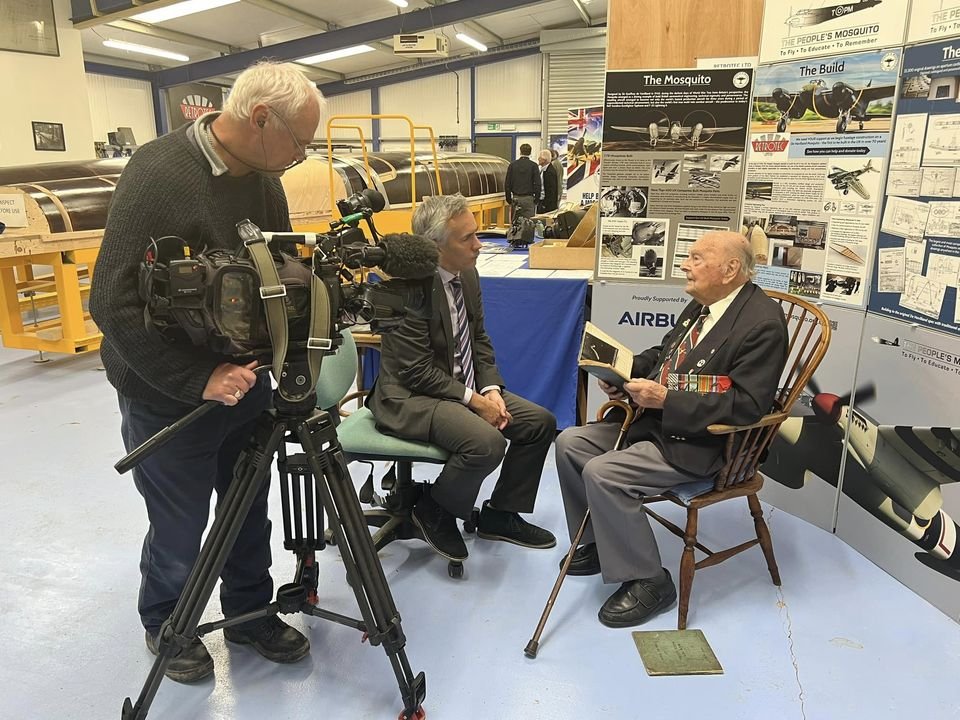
(612, 391)
(646, 393)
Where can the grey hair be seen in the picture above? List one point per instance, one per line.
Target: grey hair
(282, 86)
(744, 253)
(433, 213)
(546, 155)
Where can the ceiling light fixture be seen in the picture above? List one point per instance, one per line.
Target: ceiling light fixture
(179, 10)
(463, 37)
(336, 54)
(399, 3)
(144, 50)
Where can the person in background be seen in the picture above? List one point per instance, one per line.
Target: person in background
(548, 183)
(561, 180)
(522, 187)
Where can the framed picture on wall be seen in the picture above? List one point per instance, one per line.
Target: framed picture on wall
(28, 26)
(48, 136)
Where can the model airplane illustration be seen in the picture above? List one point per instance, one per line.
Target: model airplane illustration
(951, 145)
(846, 180)
(815, 16)
(667, 170)
(843, 102)
(676, 133)
(895, 472)
(729, 162)
(702, 178)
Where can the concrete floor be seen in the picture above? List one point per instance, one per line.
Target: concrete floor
(841, 639)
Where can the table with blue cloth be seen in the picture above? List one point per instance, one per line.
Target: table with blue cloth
(535, 325)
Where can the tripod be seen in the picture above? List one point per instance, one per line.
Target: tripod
(312, 483)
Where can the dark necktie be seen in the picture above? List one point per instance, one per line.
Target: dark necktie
(673, 363)
(464, 349)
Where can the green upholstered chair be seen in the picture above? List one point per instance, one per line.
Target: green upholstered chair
(361, 441)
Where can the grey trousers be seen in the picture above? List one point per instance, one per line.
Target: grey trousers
(528, 206)
(612, 484)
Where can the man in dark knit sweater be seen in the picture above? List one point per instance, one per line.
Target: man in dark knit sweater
(522, 186)
(197, 183)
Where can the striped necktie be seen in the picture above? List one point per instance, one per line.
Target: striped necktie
(464, 349)
(673, 363)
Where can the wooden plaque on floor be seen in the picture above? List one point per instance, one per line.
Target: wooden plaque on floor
(676, 652)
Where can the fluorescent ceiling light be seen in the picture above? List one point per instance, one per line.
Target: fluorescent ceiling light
(336, 54)
(143, 49)
(463, 37)
(400, 3)
(179, 10)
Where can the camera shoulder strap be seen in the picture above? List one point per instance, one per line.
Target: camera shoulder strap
(272, 292)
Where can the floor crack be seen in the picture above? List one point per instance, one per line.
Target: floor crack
(782, 606)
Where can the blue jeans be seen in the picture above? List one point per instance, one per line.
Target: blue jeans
(176, 483)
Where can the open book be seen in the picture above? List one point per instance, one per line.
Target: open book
(604, 357)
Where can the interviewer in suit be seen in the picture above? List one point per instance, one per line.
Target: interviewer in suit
(439, 383)
(730, 328)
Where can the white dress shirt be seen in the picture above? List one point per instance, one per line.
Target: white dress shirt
(717, 310)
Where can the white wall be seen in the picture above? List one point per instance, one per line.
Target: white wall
(429, 101)
(121, 102)
(48, 89)
(356, 103)
(510, 90)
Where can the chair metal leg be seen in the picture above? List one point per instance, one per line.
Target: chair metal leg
(763, 535)
(688, 567)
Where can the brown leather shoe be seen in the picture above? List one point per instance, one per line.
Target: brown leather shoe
(638, 600)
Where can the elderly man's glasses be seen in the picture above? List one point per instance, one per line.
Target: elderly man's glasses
(301, 150)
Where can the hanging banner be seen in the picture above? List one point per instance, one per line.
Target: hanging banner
(915, 275)
(584, 128)
(185, 103)
(673, 166)
(932, 19)
(819, 135)
(812, 29)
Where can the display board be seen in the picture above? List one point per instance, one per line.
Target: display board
(931, 19)
(901, 484)
(28, 26)
(816, 28)
(584, 150)
(819, 135)
(915, 277)
(673, 166)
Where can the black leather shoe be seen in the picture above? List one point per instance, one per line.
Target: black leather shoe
(272, 638)
(585, 561)
(439, 528)
(192, 664)
(638, 600)
(510, 527)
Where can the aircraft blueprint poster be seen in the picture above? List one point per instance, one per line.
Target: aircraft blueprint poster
(917, 270)
(932, 19)
(673, 146)
(815, 28)
(900, 499)
(815, 164)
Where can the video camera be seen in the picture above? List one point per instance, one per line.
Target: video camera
(267, 301)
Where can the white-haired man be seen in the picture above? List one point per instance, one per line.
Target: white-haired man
(548, 183)
(439, 383)
(197, 183)
(731, 332)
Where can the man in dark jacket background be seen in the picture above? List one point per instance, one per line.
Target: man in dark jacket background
(522, 187)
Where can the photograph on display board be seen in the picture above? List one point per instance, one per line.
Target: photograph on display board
(583, 151)
(680, 135)
(811, 28)
(815, 170)
(916, 276)
(624, 201)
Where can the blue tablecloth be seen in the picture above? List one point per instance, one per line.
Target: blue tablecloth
(535, 325)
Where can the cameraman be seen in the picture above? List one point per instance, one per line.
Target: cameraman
(197, 183)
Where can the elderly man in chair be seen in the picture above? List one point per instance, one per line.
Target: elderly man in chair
(730, 335)
(439, 383)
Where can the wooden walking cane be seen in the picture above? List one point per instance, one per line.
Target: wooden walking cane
(531, 649)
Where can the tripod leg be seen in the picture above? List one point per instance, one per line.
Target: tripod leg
(178, 631)
(365, 573)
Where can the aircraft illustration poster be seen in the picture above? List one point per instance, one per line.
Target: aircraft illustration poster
(582, 167)
(673, 146)
(819, 134)
(815, 28)
(932, 19)
(901, 483)
(915, 276)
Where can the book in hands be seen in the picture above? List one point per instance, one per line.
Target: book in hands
(604, 357)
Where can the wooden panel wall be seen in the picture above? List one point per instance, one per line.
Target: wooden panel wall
(674, 33)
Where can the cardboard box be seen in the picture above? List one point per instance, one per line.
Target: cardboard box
(557, 255)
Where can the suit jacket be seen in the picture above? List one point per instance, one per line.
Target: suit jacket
(549, 202)
(523, 178)
(749, 345)
(416, 363)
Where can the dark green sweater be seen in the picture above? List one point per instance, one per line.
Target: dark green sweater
(168, 188)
